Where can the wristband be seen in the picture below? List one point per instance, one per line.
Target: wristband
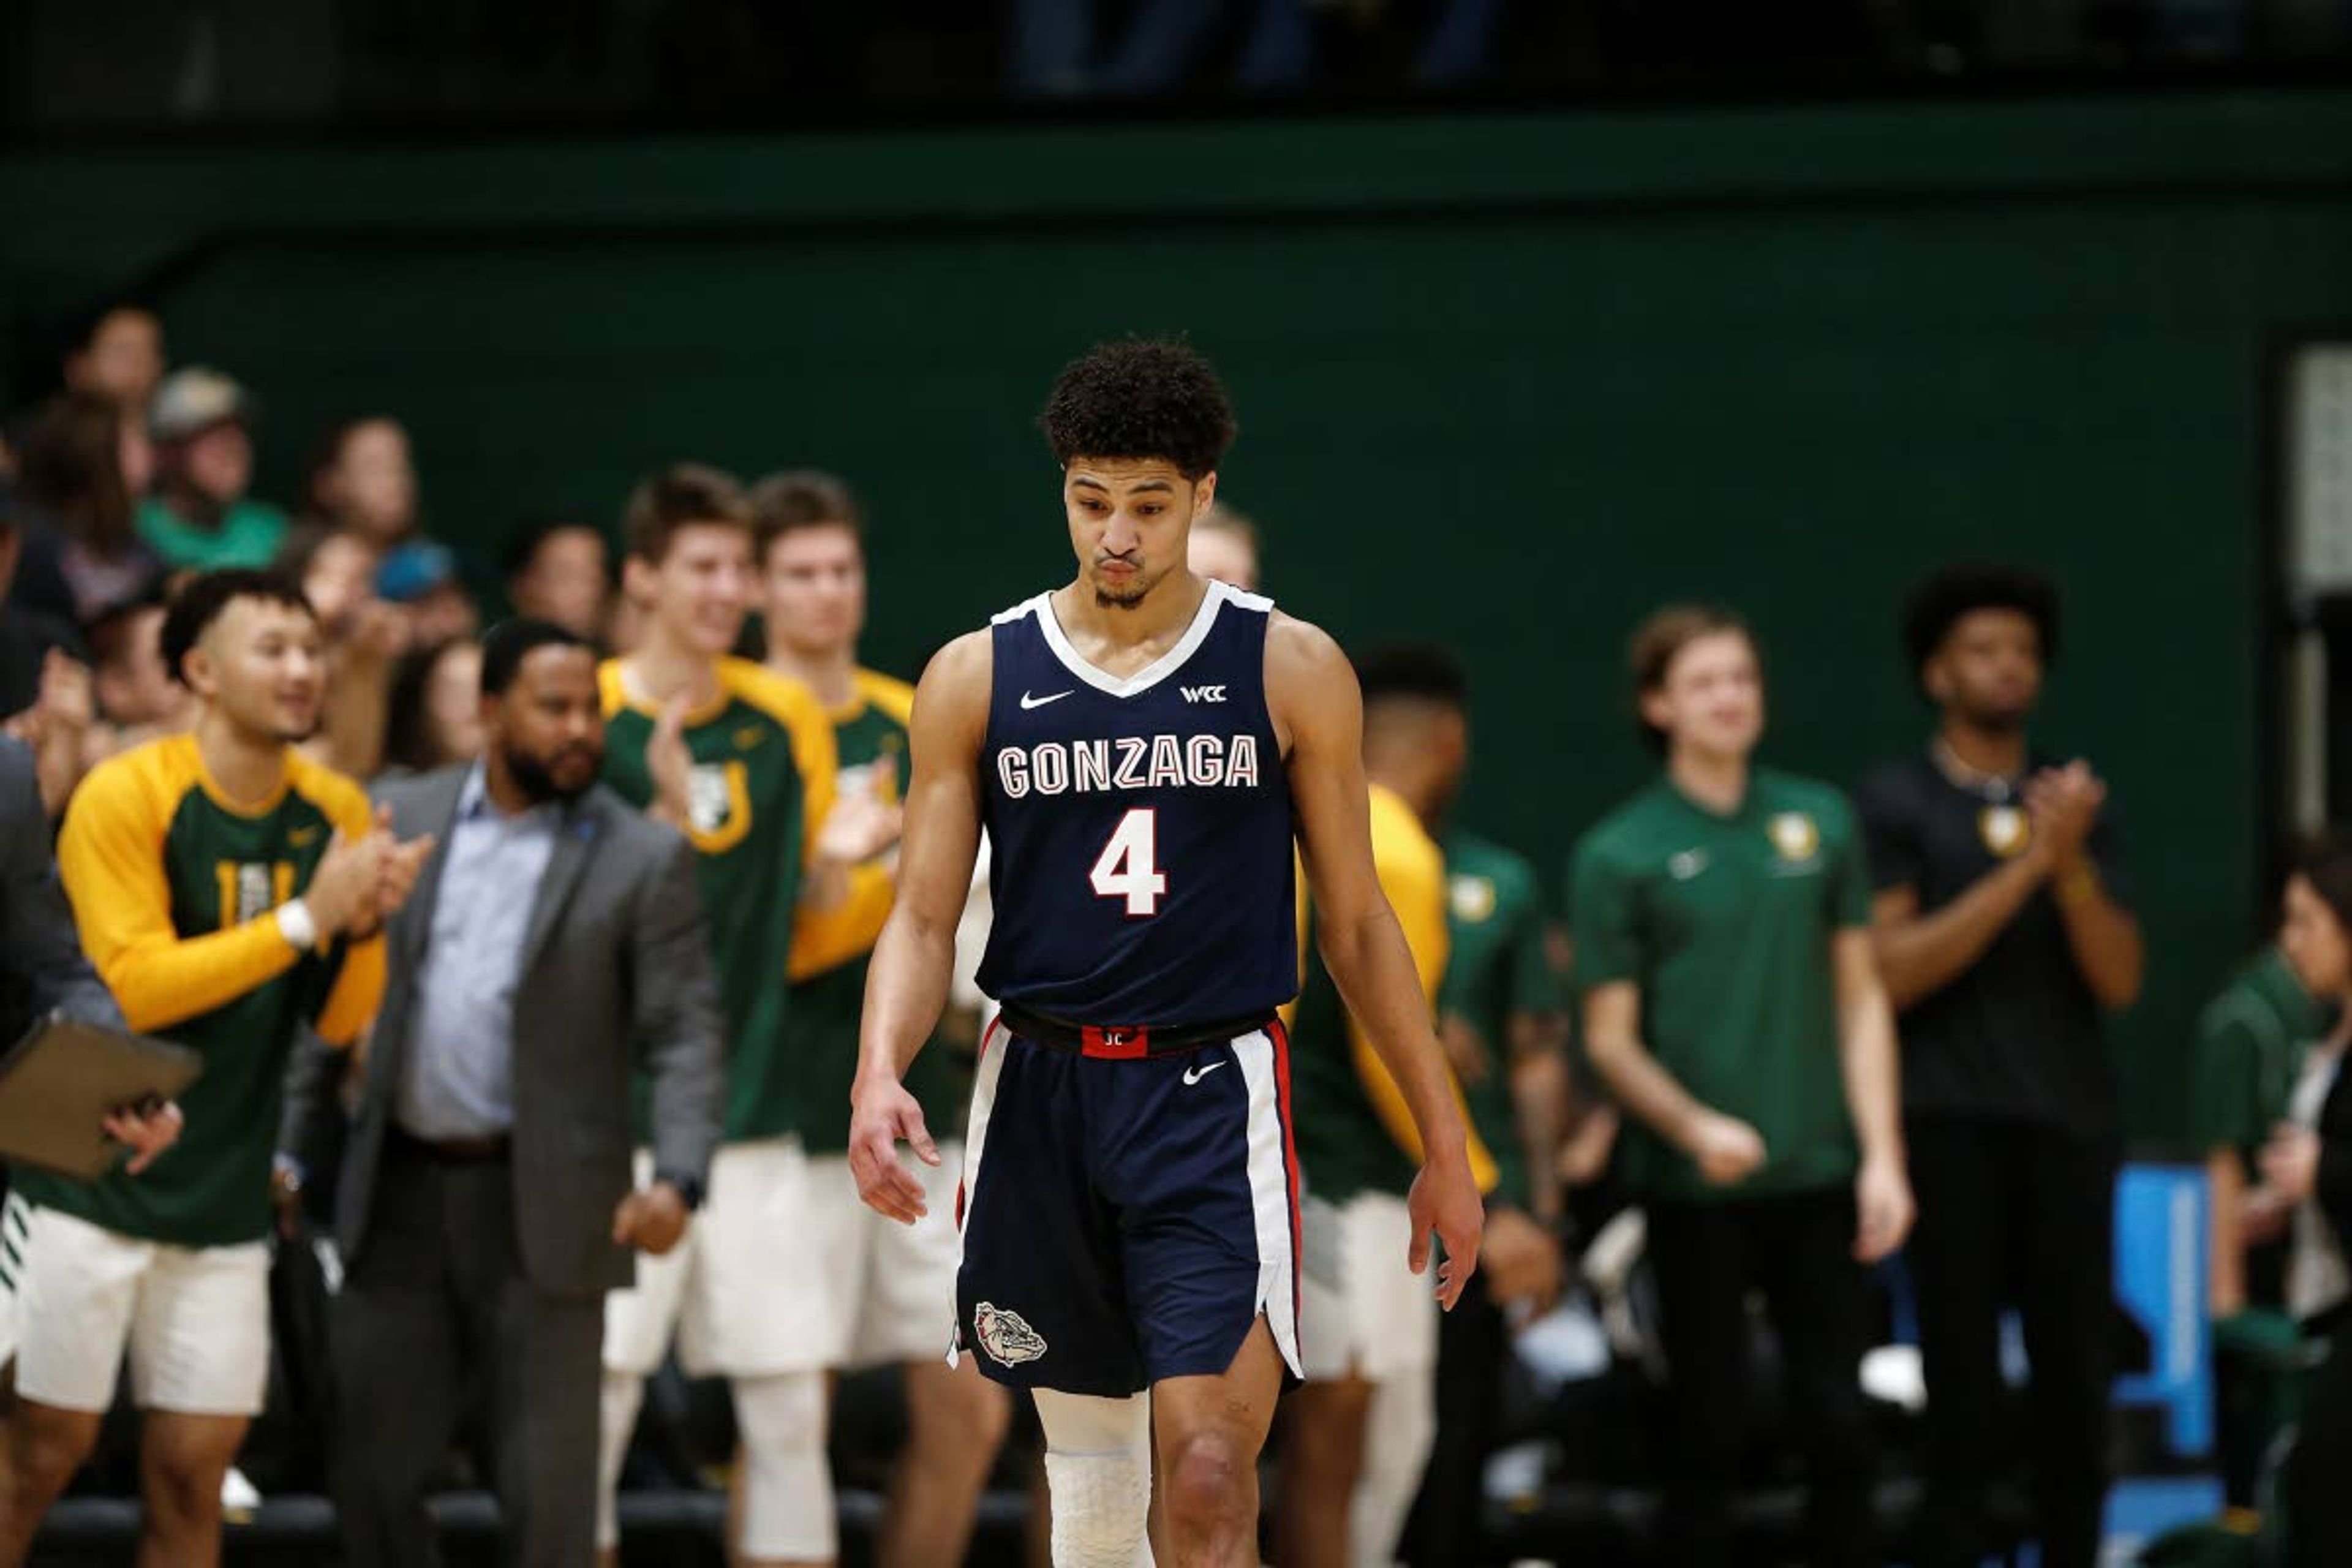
(2077, 887)
(298, 925)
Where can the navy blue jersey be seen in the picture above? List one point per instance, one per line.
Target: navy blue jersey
(1139, 829)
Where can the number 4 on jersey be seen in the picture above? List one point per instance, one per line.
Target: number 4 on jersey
(1128, 869)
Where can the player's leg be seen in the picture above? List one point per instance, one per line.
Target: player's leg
(1399, 1429)
(2066, 1303)
(1322, 1457)
(1958, 1255)
(638, 1324)
(1209, 1432)
(199, 1367)
(1819, 1302)
(956, 1419)
(772, 1318)
(1700, 1256)
(77, 1287)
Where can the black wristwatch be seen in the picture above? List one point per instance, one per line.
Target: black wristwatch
(687, 1187)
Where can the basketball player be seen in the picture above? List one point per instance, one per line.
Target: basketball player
(742, 761)
(1141, 746)
(1224, 546)
(877, 1292)
(228, 889)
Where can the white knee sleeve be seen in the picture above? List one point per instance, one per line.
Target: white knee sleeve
(616, 1419)
(788, 1510)
(1098, 1469)
(1399, 1431)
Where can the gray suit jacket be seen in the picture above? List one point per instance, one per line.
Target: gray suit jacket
(616, 968)
(42, 969)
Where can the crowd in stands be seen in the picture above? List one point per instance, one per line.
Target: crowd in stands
(1978, 879)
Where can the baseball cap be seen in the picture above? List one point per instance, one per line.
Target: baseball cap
(191, 401)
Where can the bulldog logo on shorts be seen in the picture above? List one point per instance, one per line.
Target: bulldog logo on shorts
(1005, 1335)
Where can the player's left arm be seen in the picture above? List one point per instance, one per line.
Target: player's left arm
(1874, 1094)
(1317, 711)
(2070, 805)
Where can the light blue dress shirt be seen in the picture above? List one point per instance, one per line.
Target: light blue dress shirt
(459, 1079)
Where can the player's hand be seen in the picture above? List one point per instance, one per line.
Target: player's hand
(2065, 804)
(858, 828)
(671, 766)
(2291, 1162)
(343, 891)
(1522, 1261)
(1726, 1150)
(2262, 1216)
(1445, 1200)
(651, 1221)
(403, 864)
(145, 1131)
(1882, 1209)
(66, 698)
(286, 1195)
(378, 633)
(881, 1112)
(1464, 1049)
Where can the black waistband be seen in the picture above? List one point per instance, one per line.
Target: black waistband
(1127, 1041)
(451, 1151)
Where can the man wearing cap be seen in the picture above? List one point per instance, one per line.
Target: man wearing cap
(2005, 935)
(200, 516)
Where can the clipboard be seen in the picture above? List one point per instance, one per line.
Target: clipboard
(58, 1082)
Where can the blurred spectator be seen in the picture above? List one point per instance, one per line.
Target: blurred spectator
(362, 636)
(44, 688)
(137, 698)
(2306, 1162)
(562, 572)
(363, 483)
(82, 463)
(120, 357)
(436, 716)
(200, 515)
(2005, 930)
(1224, 545)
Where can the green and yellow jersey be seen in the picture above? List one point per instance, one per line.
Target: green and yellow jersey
(1724, 923)
(762, 780)
(2250, 1041)
(1496, 969)
(1353, 1130)
(831, 954)
(174, 890)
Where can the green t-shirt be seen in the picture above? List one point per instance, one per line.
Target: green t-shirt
(156, 862)
(870, 737)
(2249, 1045)
(1496, 968)
(249, 535)
(763, 769)
(1725, 923)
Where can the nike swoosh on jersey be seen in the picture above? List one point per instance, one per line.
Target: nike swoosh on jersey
(1194, 1075)
(1027, 702)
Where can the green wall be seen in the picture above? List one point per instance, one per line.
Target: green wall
(1504, 381)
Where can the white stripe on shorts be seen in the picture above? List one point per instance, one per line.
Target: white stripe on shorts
(1269, 1179)
(976, 1137)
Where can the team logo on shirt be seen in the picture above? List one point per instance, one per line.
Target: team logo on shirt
(1795, 835)
(1473, 898)
(718, 805)
(1005, 1334)
(2005, 829)
(252, 887)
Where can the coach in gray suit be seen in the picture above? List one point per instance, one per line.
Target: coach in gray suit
(554, 945)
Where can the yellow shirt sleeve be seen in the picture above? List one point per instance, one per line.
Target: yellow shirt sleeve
(110, 859)
(828, 939)
(1411, 870)
(358, 990)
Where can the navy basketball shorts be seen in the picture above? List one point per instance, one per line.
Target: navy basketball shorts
(1127, 1220)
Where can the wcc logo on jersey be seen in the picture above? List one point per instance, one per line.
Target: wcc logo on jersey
(1005, 1334)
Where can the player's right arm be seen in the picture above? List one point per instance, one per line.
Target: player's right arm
(907, 987)
(1726, 1150)
(1919, 954)
(110, 859)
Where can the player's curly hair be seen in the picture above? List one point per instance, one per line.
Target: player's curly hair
(1141, 398)
(1936, 604)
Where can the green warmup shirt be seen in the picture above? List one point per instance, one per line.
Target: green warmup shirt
(1725, 923)
(1495, 968)
(2250, 1046)
(763, 776)
(249, 534)
(828, 993)
(175, 890)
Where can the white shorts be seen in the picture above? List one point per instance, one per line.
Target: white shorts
(735, 1289)
(1361, 1310)
(195, 1320)
(872, 1290)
